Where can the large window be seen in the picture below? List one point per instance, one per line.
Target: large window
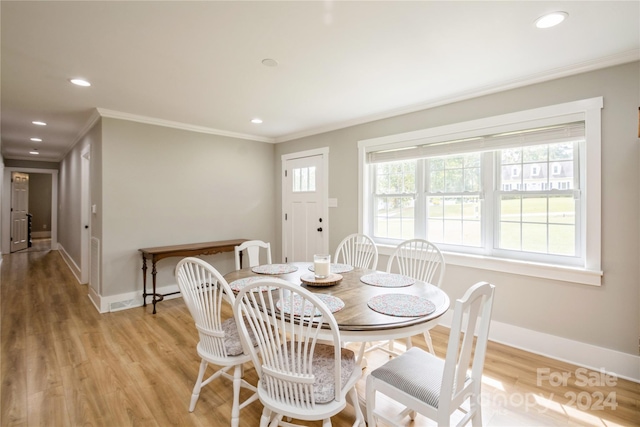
(516, 190)
(535, 214)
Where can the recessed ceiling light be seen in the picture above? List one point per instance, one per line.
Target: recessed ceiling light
(80, 82)
(36, 139)
(34, 151)
(256, 121)
(269, 62)
(39, 123)
(551, 19)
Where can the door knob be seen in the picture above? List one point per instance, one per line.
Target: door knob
(319, 228)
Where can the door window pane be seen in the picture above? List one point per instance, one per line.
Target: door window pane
(304, 179)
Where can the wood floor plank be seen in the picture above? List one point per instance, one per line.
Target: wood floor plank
(128, 408)
(48, 408)
(67, 344)
(42, 367)
(13, 391)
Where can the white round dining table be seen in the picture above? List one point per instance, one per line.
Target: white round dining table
(356, 320)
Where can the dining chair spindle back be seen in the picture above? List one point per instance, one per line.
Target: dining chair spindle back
(299, 376)
(419, 259)
(205, 291)
(357, 250)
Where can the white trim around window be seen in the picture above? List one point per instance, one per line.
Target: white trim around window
(588, 110)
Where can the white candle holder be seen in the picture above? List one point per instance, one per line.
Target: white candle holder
(321, 266)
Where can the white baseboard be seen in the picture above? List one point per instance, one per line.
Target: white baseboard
(97, 301)
(129, 300)
(613, 362)
(75, 270)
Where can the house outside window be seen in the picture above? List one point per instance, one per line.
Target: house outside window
(516, 193)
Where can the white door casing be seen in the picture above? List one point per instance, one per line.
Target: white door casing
(6, 205)
(19, 210)
(305, 219)
(85, 202)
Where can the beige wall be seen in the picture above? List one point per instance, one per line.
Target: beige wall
(606, 316)
(69, 214)
(40, 202)
(164, 186)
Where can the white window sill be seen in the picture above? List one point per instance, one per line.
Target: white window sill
(522, 268)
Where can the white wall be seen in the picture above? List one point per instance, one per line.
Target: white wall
(69, 210)
(164, 186)
(606, 316)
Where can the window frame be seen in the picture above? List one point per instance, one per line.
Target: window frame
(587, 110)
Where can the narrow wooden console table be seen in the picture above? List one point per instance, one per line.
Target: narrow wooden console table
(190, 249)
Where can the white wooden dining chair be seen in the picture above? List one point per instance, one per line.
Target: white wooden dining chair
(252, 250)
(300, 377)
(204, 291)
(434, 387)
(357, 250)
(420, 260)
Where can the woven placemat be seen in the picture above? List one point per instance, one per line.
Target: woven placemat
(401, 305)
(333, 303)
(274, 269)
(236, 285)
(336, 268)
(387, 280)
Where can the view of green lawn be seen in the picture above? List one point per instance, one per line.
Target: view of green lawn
(527, 223)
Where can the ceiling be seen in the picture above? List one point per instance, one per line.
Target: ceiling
(198, 65)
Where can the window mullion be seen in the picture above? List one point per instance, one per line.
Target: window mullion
(488, 202)
(420, 206)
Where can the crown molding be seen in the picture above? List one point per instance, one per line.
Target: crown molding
(583, 67)
(179, 125)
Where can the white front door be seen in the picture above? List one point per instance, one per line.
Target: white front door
(305, 213)
(19, 210)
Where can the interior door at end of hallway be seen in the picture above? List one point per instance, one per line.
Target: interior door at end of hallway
(19, 210)
(305, 224)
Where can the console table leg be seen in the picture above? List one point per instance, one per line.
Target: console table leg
(144, 281)
(153, 275)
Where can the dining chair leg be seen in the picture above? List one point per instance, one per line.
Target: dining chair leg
(476, 409)
(370, 394)
(427, 338)
(265, 418)
(237, 384)
(391, 347)
(196, 389)
(360, 359)
(408, 343)
(355, 402)
(408, 412)
(276, 418)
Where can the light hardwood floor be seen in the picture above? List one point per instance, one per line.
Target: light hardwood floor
(64, 364)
